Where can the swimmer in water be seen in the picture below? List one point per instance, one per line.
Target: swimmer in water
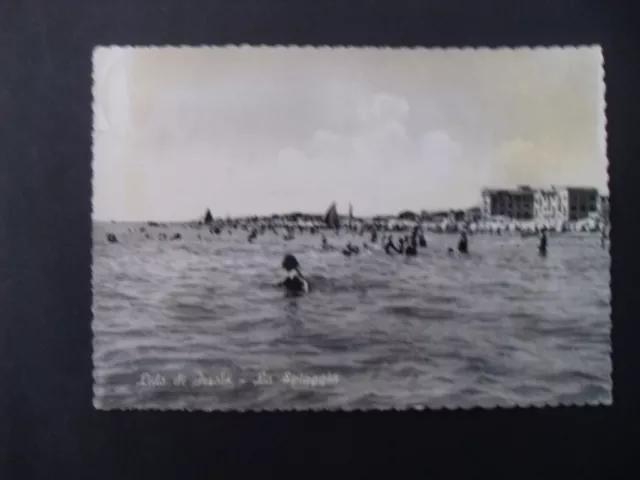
(416, 237)
(401, 246)
(350, 250)
(325, 243)
(295, 283)
(389, 247)
(422, 241)
(412, 249)
(603, 237)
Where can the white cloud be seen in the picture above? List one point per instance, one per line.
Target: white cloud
(380, 141)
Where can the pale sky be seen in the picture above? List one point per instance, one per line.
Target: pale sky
(261, 130)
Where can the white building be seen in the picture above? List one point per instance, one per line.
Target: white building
(544, 206)
(551, 205)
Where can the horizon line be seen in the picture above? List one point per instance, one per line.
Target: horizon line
(320, 214)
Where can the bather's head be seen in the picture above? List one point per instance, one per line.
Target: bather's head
(290, 262)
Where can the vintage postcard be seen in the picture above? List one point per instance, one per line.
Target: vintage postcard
(349, 228)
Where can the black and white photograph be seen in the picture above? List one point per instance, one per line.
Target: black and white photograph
(341, 228)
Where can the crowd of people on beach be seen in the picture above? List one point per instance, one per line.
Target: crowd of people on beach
(408, 242)
(405, 239)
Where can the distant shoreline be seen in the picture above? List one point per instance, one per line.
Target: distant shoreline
(318, 221)
(490, 227)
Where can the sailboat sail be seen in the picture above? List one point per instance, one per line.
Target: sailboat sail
(331, 218)
(208, 218)
(350, 215)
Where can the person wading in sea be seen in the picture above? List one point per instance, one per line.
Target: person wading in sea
(389, 247)
(542, 246)
(295, 283)
(463, 243)
(412, 248)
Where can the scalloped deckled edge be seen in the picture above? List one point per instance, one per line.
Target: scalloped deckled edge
(605, 133)
(425, 408)
(304, 46)
(91, 232)
(504, 405)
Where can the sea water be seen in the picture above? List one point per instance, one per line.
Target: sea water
(197, 323)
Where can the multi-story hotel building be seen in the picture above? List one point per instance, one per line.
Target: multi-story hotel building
(515, 203)
(582, 202)
(551, 205)
(555, 204)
